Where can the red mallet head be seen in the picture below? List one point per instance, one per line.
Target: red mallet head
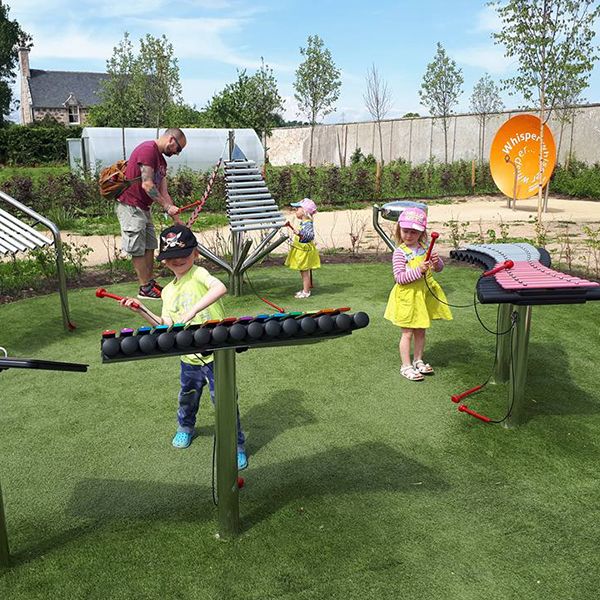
(434, 236)
(100, 293)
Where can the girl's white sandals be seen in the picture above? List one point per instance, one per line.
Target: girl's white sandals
(411, 373)
(423, 367)
(302, 294)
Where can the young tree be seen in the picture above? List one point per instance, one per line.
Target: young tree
(317, 84)
(377, 101)
(484, 101)
(552, 41)
(157, 78)
(441, 89)
(251, 101)
(12, 37)
(121, 101)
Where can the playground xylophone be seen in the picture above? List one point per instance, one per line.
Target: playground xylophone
(528, 280)
(224, 338)
(517, 277)
(233, 332)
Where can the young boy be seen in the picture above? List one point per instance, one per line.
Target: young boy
(193, 296)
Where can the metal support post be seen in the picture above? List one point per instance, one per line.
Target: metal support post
(4, 551)
(226, 433)
(518, 376)
(502, 368)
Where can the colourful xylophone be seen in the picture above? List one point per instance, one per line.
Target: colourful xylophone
(528, 281)
(232, 332)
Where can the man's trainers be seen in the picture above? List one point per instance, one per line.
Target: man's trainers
(183, 439)
(156, 284)
(242, 460)
(150, 291)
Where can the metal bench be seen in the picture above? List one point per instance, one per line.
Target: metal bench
(17, 236)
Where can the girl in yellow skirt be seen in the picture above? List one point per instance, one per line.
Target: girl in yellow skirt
(411, 304)
(303, 255)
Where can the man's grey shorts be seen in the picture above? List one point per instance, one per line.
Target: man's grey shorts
(137, 229)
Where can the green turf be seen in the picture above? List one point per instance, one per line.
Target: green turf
(361, 484)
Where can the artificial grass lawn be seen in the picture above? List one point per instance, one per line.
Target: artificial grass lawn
(361, 484)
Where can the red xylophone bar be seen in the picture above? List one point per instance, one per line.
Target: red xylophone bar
(458, 397)
(434, 236)
(463, 408)
(507, 264)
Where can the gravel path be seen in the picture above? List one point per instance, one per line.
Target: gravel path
(475, 216)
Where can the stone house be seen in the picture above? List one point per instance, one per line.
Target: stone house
(64, 95)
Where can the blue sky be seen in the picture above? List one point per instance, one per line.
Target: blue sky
(214, 38)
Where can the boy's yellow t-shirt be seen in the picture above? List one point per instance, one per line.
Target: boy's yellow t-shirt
(180, 295)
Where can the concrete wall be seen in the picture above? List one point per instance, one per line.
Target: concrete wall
(419, 139)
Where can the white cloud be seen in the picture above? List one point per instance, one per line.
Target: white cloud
(487, 19)
(490, 59)
(71, 44)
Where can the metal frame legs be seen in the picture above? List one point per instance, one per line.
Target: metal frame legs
(512, 357)
(226, 433)
(4, 551)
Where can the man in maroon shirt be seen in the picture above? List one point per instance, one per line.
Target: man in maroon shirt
(148, 167)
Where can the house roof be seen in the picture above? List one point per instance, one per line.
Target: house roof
(51, 89)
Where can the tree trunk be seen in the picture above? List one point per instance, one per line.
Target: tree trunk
(310, 152)
(380, 142)
(123, 142)
(483, 141)
(445, 124)
(569, 156)
(378, 179)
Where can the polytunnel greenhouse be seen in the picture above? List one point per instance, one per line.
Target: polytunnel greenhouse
(99, 147)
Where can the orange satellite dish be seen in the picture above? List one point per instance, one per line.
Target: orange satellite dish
(515, 151)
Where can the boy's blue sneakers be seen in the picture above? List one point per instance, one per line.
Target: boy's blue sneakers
(183, 439)
(242, 460)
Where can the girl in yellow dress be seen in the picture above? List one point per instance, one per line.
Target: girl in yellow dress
(303, 255)
(413, 301)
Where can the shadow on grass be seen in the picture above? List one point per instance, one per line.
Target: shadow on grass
(551, 387)
(369, 467)
(268, 420)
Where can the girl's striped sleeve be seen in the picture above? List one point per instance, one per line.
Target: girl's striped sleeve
(402, 273)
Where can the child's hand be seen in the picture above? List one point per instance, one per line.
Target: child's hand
(187, 317)
(132, 304)
(435, 259)
(425, 266)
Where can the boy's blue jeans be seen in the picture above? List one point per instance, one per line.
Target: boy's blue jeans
(193, 379)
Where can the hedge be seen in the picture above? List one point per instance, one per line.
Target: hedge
(329, 186)
(26, 145)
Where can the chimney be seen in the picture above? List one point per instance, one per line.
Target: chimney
(24, 62)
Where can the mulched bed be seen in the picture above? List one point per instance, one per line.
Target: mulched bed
(97, 277)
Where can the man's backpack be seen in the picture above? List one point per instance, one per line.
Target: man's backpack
(112, 181)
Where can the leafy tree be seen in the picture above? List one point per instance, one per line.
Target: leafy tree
(121, 100)
(184, 115)
(11, 38)
(441, 89)
(485, 100)
(157, 79)
(317, 84)
(410, 115)
(251, 101)
(552, 41)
